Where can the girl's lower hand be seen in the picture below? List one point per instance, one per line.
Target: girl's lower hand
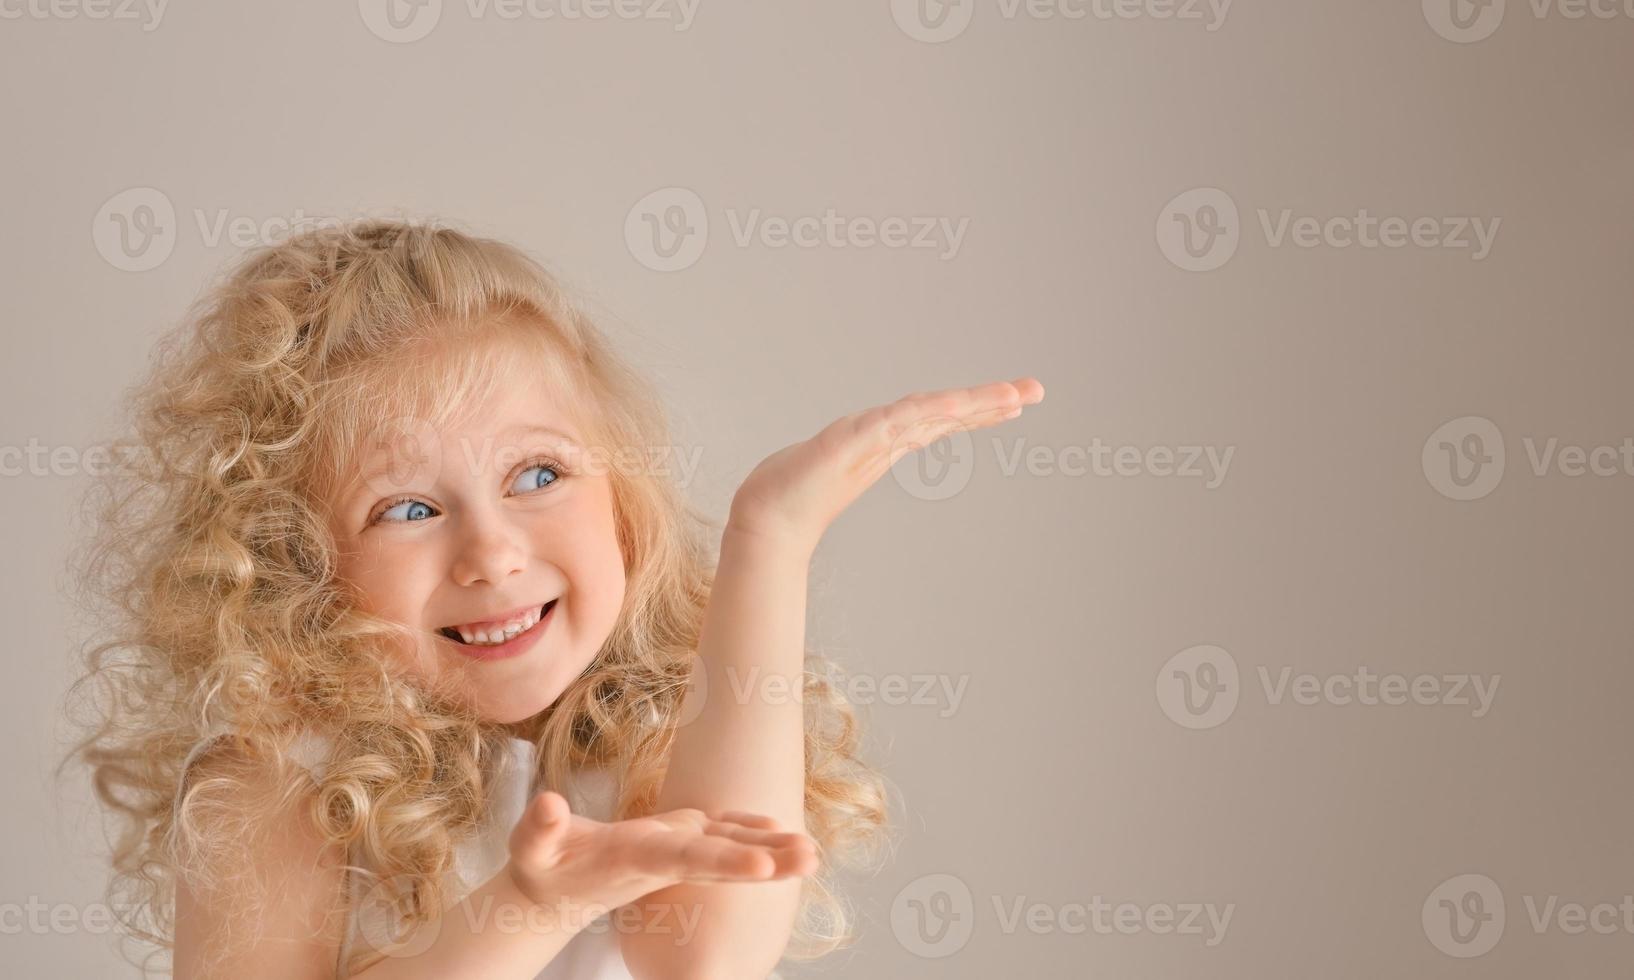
(557, 855)
(794, 494)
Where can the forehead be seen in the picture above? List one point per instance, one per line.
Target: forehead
(483, 394)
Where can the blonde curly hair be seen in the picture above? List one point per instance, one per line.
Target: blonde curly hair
(212, 555)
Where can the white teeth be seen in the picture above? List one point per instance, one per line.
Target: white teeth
(499, 634)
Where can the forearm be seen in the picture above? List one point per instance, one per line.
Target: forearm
(494, 933)
(742, 749)
(744, 745)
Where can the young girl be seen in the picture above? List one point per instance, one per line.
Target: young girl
(424, 666)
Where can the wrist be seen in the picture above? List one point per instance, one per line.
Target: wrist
(540, 899)
(759, 536)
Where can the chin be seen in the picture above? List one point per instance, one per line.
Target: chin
(510, 696)
(508, 709)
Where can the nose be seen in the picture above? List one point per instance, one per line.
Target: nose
(490, 551)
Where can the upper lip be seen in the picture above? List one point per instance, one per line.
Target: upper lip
(500, 618)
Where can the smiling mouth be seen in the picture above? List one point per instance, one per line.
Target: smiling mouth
(451, 633)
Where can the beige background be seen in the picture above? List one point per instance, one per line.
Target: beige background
(1058, 778)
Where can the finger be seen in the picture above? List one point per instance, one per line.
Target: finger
(924, 418)
(721, 859)
(978, 399)
(796, 863)
(793, 853)
(758, 837)
(540, 829)
(746, 818)
(701, 857)
(922, 432)
(1032, 392)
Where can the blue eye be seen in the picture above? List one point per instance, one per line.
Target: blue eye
(526, 483)
(417, 511)
(536, 477)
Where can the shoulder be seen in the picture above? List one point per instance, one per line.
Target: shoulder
(217, 754)
(252, 855)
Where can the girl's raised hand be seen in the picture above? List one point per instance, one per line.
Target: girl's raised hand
(557, 855)
(795, 493)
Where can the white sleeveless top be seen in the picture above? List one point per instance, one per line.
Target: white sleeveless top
(593, 953)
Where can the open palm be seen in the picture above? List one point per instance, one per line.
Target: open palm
(557, 853)
(795, 493)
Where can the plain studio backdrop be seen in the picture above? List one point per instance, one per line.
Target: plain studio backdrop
(1287, 638)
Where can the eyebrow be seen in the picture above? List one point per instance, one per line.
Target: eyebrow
(545, 430)
(513, 431)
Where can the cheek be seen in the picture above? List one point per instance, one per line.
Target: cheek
(392, 582)
(599, 564)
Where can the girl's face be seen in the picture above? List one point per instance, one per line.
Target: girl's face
(468, 538)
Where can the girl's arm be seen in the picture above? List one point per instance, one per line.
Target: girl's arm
(744, 750)
(564, 871)
(744, 747)
(296, 933)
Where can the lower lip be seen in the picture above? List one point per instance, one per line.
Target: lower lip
(511, 647)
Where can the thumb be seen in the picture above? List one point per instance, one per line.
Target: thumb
(538, 834)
